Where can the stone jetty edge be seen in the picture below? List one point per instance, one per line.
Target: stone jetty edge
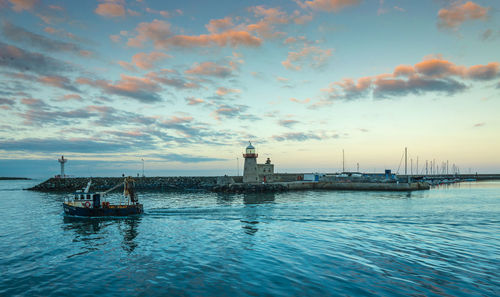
(288, 182)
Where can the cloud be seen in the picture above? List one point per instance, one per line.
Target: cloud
(172, 79)
(305, 101)
(141, 89)
(74, 145)
(144, 61)
(296, 136)
(59, 82)
(109, 9)
(20, 35)
(20, 5)
(329, 5)
(4, 101)
(69, 97)
(433, 74)
(312, 56)
(194, 101)
(210, 69)
(222, 91)
(218, 25)
(159, 33)
(288, 123)
(228, 111)
(456, 14)
(478, 125)
(148, 61)
(186, 158)
(227, 38)
(18, 59)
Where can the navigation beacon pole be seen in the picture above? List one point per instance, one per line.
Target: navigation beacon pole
(62, 161)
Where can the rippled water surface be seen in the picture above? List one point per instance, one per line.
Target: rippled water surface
(444, 242)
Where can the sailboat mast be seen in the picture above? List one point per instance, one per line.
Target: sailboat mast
(343, 161)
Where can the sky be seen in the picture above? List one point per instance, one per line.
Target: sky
(180, 87)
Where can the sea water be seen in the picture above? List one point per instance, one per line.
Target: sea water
(441, 242)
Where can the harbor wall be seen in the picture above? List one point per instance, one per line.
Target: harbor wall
(357, 186)
(172, 183)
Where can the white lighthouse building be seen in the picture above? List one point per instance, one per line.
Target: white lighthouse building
(253, 172)
(250, 170)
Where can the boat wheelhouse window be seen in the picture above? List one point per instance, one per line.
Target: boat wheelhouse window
(88, 196)
(81, 196)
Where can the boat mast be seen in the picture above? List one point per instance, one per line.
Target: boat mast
(343, 161)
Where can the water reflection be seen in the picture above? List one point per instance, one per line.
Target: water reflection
(95, 232)
(251, 212)
(128, 229)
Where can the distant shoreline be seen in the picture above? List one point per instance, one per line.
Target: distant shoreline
(14, 178)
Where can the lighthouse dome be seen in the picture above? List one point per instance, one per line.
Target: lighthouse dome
(250, 149)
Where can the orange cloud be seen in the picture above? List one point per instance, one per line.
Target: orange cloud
(211, 69)
(454, 16)
(433, 74)
(228, 38)
(484, 72)
(110, 10)
(20, 5)
(305, 101)
(148, 61)
(219, 25)
(194, 101)
(312, 55)
(329, 5)
(157, 31)
(224, 91)
(139, 88)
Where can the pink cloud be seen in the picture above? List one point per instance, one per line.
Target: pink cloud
(56, 7)
(228, 38)
(433, 74)
(110, 10)
(194, 101)
(210, 69)
(139, 88)
(219, 25)
(311, 55)
(221, 91)
(148, 61)
(329, 5)
(20, 5)
(69, 97)
(305, 101)
(455, 15)
(157, 31)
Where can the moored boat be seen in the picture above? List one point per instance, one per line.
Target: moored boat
(89, 204)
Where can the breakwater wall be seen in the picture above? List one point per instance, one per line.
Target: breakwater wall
(357, 186)
(168, 183)
(212, 183)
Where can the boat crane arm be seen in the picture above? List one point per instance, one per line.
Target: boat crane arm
(113, 188)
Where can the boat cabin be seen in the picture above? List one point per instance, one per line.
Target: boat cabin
(88, 200)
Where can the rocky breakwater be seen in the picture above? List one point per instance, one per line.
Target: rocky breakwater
(249, 188)
(170, 183)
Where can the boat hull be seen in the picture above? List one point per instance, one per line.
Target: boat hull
(112, 211)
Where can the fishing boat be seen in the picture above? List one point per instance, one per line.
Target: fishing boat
(93, 204)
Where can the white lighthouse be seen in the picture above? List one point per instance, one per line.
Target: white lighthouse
(250, 174)
(62, 161)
